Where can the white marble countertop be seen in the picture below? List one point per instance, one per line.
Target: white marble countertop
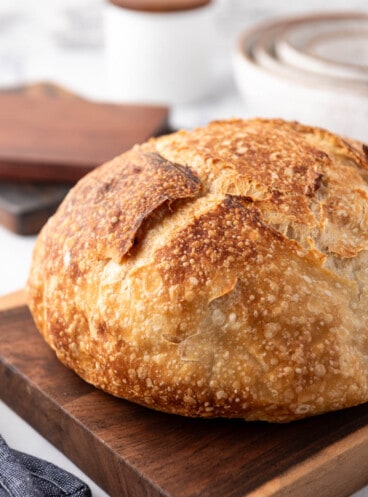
(62, 41)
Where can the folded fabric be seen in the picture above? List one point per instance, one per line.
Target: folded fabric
(23, 475)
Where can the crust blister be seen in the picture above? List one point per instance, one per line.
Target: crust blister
(218, 272)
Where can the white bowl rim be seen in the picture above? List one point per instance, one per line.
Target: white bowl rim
(353, 71)
(294, 20)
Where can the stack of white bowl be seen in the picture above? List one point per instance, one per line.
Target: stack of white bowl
(313, 69)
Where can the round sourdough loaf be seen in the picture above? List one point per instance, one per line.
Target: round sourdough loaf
(215, 272)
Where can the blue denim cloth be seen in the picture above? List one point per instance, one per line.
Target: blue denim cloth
(22, 475)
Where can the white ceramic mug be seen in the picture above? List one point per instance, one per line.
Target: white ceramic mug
(158, 57)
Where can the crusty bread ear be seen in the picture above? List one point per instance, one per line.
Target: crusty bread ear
(217, 272)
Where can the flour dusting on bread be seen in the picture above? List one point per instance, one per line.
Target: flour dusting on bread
(215, 272)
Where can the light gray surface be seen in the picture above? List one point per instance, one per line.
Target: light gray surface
(62, 41)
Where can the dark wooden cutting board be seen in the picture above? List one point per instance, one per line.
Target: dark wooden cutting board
(25, 207)
(49, 134)
(50, 137)
(132, 451)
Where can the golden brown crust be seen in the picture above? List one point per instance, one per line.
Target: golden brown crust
(218, 272)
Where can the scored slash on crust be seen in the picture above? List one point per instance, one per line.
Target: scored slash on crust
(218, 272)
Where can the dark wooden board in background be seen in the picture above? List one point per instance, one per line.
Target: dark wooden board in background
(50, 137)
(56, 136)
(133, 451)
(25, 207)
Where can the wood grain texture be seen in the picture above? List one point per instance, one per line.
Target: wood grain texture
(160, 5)
(24, 206)
(129, 450)
(51, 136)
